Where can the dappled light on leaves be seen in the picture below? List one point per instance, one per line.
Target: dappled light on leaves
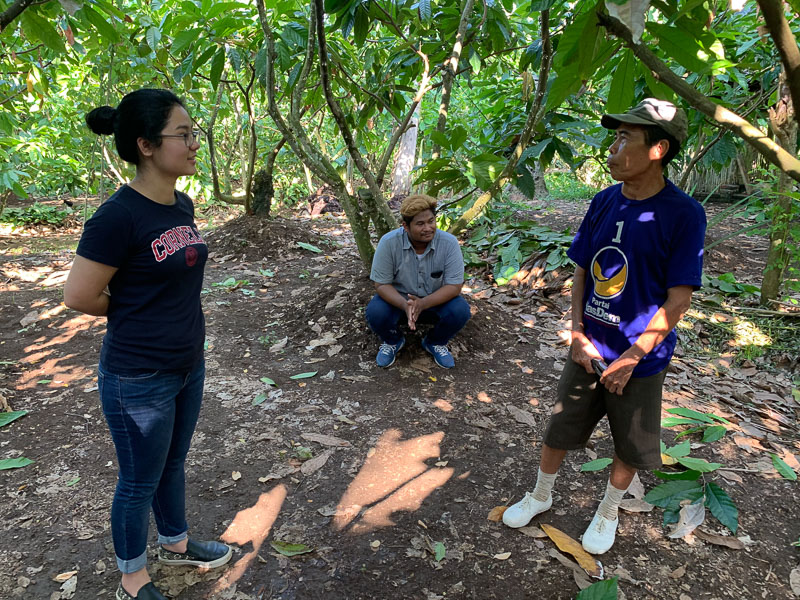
(394, 478)
(251, 526)
(484, 397)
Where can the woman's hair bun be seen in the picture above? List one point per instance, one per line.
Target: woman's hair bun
(101, 120)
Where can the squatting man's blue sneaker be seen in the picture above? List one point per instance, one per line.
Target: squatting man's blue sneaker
(388, 353)
(441, 354)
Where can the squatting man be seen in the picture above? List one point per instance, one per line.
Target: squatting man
(418, 272)
(638, 256)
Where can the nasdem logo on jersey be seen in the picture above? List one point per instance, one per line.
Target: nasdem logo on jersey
(609, 272)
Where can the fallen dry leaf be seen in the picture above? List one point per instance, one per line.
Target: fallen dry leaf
(325, 440)
(567, 544)
(521, 416)
(720, 540)
(690, 517)
(636, 488)
(496, 514)
(62, 577)
(315, 464)
(679, 572)
(532, 531)
(503, 556)
(581, 579)
(236, 475)
(730, 476)
(635, 505)
(277, 347)
(794, 581)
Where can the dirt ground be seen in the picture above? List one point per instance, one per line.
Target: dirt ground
(406, 463)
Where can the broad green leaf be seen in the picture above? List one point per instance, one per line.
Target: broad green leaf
(714, 433)
(103, 27)
(698, 464)
(267, 380)
(602, 590)
(7, 417)
(424, 10)
(691, 414)
(681, 46)
(73, 481)
(310, 247)
(679, 451)
(673, 421)
(681, 475)
(37, 27)
(780, 465)
(153, 37)
(288, 549)
(621, 93)
(361, 27)
(673, 492)
(540, 5)
(184, 38)
(596, 465)
(475, 63)
(721, 506)
(217, 65)
(486, 168)
(439, 551)
(304, 375)
(259, 399)
(14, 463)
(457, 137)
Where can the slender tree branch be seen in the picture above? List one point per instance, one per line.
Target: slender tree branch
(12, 12)
(398, 133)
(534, 116)
(749, 133)
(786, 44)
(451, 66)
(344, 129)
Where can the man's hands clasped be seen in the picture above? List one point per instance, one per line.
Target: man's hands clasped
(414, 307)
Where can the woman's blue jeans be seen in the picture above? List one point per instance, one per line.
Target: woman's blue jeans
(448, 318)
(151, 417)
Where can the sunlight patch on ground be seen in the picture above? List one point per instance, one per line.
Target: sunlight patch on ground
(394, 478)
(748, 334)
(27, 275)
(251, 526)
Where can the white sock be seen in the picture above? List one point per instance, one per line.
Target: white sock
(609, 505)
(544, 485)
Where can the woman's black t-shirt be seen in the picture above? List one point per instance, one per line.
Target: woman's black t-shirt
(155, 321)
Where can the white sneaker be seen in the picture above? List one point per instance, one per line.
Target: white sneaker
(521, 513)
(600, 534)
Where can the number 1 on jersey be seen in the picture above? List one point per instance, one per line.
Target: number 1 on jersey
(618, 237)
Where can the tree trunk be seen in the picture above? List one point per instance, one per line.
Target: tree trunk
(539, 184)
(449, 75)
(404, 164)
(263, 188)
(784, 124)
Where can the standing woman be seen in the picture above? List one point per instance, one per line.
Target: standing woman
(140, 263)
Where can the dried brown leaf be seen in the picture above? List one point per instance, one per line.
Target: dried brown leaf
(532, 531)
(496, 514)
(315, 464)
(635, 505)
(567, 544)
(521, 416)
(720, 540)
(794, 581)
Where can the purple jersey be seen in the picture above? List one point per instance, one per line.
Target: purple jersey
(633, 251)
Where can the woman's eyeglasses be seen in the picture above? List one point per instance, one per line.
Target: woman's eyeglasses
(188, 138)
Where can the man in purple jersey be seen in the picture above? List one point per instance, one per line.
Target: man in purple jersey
(638, 256)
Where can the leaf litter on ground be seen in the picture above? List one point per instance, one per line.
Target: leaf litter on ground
(565, 543)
